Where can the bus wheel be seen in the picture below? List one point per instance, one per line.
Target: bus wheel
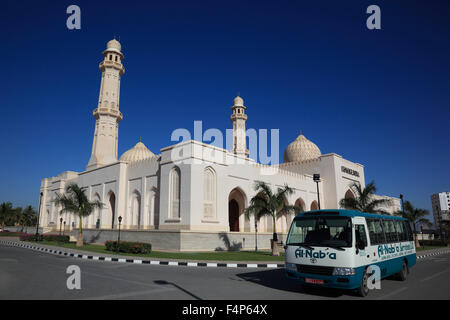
(363, 290)
(402, 274)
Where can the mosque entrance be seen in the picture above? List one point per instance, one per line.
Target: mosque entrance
(233, 215)
(236, 204)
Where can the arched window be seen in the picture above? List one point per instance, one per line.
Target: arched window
(209, 194)
(96, 215)
(112, 208)
(136, 209)
(174, 199)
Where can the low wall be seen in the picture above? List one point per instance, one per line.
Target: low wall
(184, 240)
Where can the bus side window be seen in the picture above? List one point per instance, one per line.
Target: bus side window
(408, 230)
(389, 230)
(376, 232)
(382, 239)
(401, 231)
(372, 235)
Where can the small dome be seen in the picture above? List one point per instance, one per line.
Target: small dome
(238, 102)
(114, 44)
(301, 149)
(137, 153)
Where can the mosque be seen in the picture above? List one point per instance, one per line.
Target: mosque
(192, 195)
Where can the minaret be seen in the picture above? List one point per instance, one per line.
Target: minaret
(238, 118)
(107, 114)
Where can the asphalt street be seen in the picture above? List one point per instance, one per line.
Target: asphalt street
(27, 274)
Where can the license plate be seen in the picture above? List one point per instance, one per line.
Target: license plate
(314, 281)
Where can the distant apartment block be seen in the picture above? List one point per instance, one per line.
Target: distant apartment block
(441, 207)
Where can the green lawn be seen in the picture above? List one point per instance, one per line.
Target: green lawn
(218, 255)
(429, 248)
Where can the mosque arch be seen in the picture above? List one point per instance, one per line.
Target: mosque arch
(112, 207)
(135, 210)
(349, 194)
(174, 192)
(96, 215)
(152, 208)
(237, 201)
(209, 193)
(314, 205)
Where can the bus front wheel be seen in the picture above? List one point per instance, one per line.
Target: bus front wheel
(363, 289)
(402, 274)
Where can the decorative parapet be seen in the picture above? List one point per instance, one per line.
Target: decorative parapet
(112, 64)
(138, 163)
(274, 169)
(108, 112)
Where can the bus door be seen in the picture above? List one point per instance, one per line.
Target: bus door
(362, 252)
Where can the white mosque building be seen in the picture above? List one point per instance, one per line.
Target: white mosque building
(190, 196)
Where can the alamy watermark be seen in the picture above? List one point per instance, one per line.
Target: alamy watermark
(216, 143)
(73, 22)
(74, 280)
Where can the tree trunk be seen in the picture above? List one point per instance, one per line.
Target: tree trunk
(416, 239)
(275, 251)
(80, 234)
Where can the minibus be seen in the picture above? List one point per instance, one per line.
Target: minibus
(344, 249)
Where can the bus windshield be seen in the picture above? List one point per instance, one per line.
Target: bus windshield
(321, 231)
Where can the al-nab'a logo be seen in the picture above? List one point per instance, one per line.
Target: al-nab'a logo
(394, 248)
(317, 254)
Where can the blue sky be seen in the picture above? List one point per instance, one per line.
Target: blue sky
(379, 98)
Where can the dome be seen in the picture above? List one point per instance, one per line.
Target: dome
(301, 149)
(238, 102)
(137, 153)
(114, 44)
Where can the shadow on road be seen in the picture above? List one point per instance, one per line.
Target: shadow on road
(164, 282)
(275, 279)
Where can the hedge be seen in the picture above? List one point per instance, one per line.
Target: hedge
(12, 234)
(45, 237)
(129, 247)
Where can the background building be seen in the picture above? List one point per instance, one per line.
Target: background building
(440, 203)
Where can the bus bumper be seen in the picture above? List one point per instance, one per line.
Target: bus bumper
(339, 282)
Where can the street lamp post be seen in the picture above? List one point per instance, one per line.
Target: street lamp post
(316, 178)
(401, 199)
(256, 235)
(64, 229)
(118, 238)
(39, 216)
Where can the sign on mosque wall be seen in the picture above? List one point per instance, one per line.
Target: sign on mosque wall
(350, 171)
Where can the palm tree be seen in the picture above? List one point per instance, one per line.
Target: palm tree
(364, 200)
(76, 202)
(267, 203)
(6, 212)
(414, 216)
(28, 217)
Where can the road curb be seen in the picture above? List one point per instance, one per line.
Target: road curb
(432, 254)
(140, 261)
(168, 262)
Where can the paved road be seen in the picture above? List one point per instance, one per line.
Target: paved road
(27, 274)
